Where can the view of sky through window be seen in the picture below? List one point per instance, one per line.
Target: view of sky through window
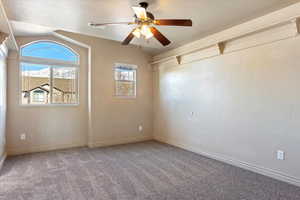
(49, 50)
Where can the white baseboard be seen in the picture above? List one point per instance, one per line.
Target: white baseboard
(245, 165)
(41, 148)
(2, 159)
(114, 141)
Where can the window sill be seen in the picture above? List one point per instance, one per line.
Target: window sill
(49, 105)
(126, 97)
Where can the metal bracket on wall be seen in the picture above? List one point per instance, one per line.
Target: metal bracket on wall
(297, 21)
(178, 59)
(3, 37)
(221, 46)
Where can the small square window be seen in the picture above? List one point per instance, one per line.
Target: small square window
(125, 80)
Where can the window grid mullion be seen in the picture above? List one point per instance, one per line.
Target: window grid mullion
(51, 84)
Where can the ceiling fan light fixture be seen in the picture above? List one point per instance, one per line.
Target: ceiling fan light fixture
(137, 33)
(146, 32)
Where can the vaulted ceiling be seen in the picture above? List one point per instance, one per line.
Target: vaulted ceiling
(33, 17)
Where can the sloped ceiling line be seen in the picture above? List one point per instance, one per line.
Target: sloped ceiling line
(6, 28)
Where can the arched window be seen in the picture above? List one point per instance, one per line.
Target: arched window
(49, 50)
(49, 74)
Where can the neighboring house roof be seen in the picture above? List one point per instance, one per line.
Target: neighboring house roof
(31, 83)
(37, 88)
(44, 89)
(47, 84)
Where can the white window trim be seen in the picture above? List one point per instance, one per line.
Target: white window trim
(52, 63)
(131, 66)
(43, 61)
(51, 75)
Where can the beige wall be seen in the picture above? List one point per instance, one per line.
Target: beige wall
(46, 127)
(245, 106)
(3, 102)
(113, 120)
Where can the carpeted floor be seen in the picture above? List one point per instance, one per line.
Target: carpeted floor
(149, 170)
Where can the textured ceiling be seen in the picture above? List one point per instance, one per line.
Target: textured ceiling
(44, 16)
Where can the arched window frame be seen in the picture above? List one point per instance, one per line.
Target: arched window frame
(36, 60)
(52, 63)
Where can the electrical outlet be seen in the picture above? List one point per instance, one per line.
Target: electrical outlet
(140, 128)
(280, 155)
(23, 136)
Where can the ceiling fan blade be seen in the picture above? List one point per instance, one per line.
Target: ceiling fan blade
(173, 22)
(160, 37)
(140, 12)
(129, 38)
(108, 24)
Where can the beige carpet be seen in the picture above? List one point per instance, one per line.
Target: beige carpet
(149, 170)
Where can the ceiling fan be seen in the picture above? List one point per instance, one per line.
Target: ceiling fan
(145, 22)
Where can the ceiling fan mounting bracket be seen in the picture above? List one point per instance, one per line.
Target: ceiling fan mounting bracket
(144, 5)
